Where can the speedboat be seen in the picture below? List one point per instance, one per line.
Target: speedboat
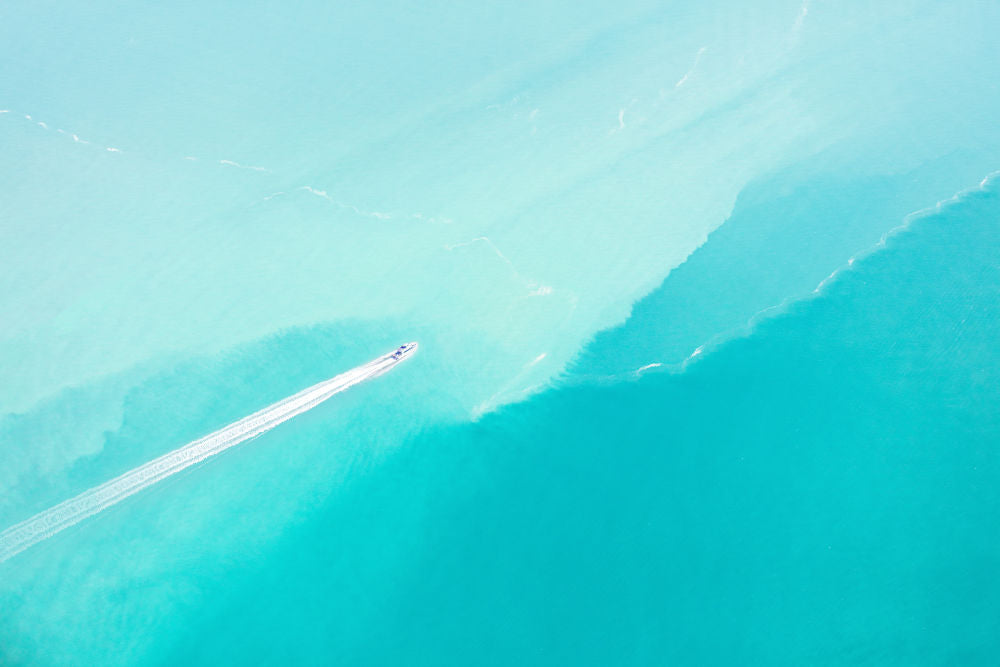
(403, 350)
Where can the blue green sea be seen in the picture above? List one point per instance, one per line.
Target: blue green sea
(707, 298)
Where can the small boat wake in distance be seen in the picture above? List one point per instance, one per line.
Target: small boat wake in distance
(45, 524)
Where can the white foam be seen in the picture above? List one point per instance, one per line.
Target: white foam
(314, 191)
(44, 525)
(533, 287)
(801, 18)
(694, 66)
(502, 105)
(231, 163)
(111, 149)
(432, 218)
(908, 220)
(904, 226)
(378, 215)
(485, 239)
(621, 117)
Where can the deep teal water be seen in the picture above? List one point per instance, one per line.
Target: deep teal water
(205, 208)
(821, 491)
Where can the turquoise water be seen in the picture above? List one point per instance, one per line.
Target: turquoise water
(676, 400)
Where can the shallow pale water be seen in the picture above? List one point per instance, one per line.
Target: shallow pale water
(204, 210)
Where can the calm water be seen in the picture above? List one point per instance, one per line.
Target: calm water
(562, 206)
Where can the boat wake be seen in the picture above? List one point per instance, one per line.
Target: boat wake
(45, 524)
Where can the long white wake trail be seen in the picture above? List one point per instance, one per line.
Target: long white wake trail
(45, 524)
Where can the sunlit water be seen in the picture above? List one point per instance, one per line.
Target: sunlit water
(679, 400)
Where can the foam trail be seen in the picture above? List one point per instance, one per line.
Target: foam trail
(44, 525)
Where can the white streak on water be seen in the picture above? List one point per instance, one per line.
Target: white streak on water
(687, 75)
(907, 221)
(621, 117)
(491, 402)
(44, 525)
(336, 202)
(783, 306)
(497, 252)
(801, 18)
(432, 218)
(378, 215)
(532, 286)
(231, 163)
